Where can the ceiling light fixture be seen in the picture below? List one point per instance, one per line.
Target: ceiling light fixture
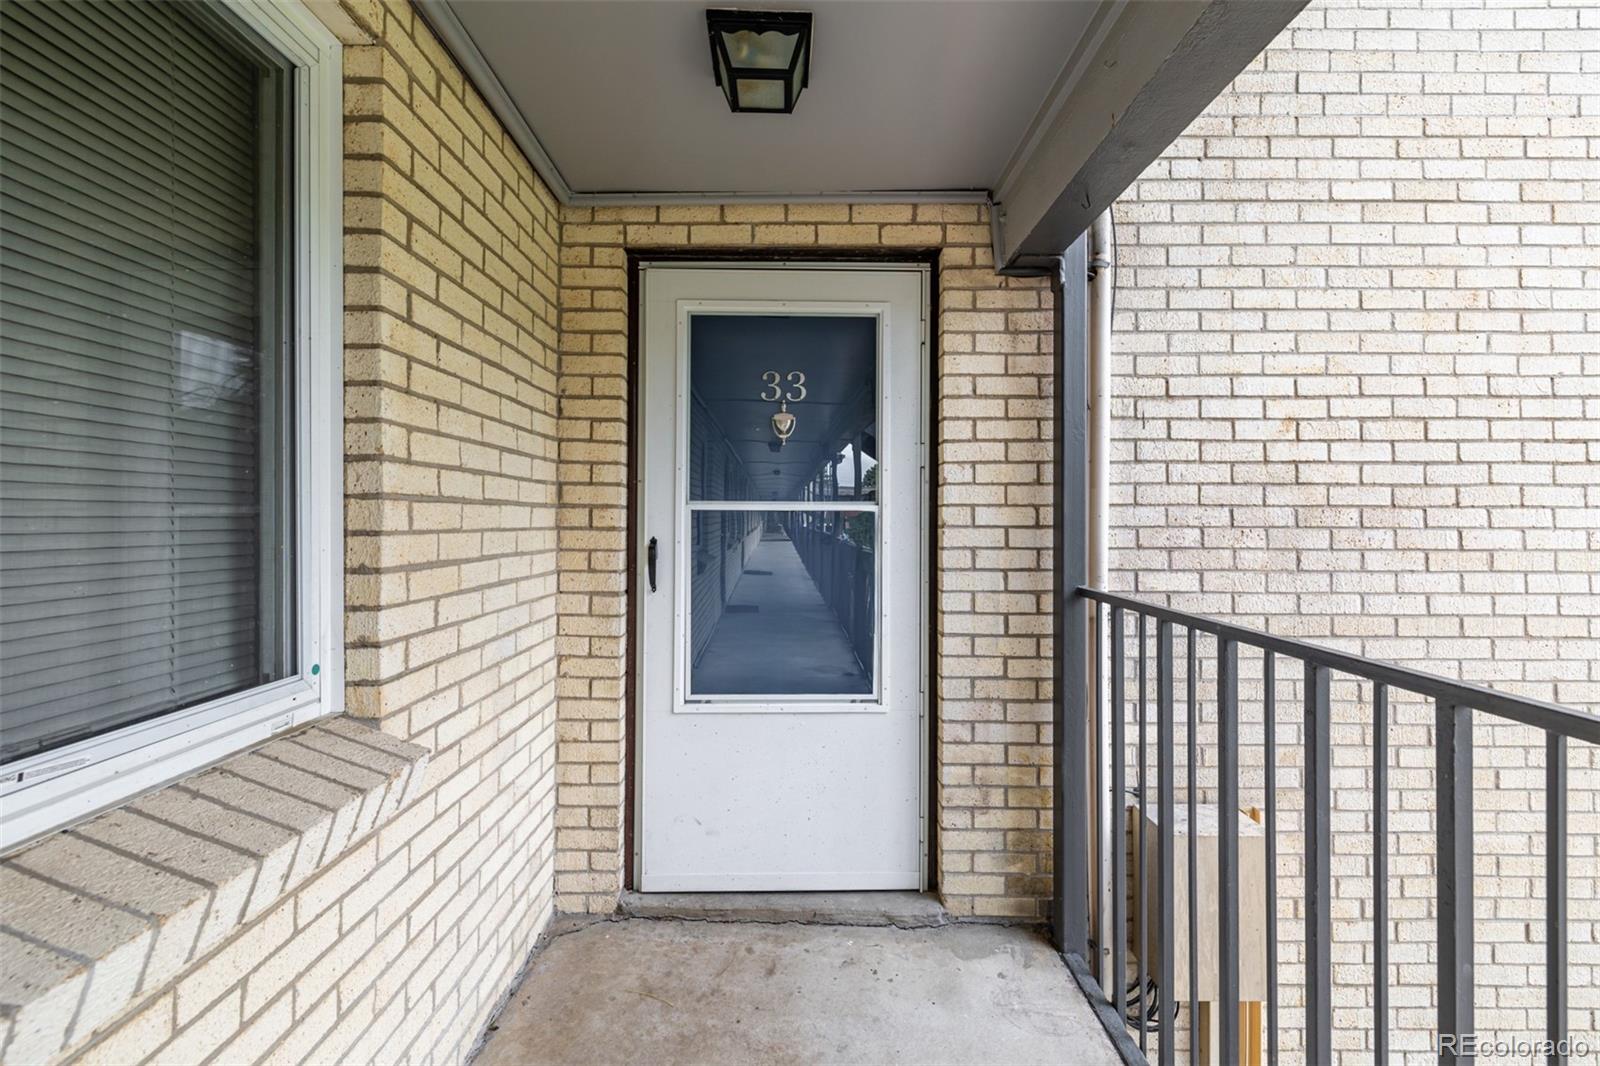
(761, 59)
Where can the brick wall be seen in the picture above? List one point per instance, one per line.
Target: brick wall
(451, 254)
(399, 950)
(1357, 400)
(993, 498)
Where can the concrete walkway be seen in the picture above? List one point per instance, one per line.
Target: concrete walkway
(653, 991)
(777, 634)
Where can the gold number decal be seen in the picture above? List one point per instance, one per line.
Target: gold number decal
(798, 393)
(771, 378)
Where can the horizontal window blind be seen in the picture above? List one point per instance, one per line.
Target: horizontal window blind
(142, 444)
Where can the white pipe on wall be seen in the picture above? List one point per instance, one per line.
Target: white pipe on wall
(1101, 280)
(1102, 275)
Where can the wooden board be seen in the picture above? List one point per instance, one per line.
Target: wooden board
(1252, 901)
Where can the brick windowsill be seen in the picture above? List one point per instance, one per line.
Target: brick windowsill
(117, 907)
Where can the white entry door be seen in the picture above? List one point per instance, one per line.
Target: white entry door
(781, 599)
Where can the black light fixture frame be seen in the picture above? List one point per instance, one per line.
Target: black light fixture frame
(728, 20)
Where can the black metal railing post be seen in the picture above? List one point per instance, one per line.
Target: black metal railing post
(1380, 874)
(1319, 867)
(1555, 896)
(1228, 849)
(1164, 838)
(1453, 804)
(1099, 834)
(1119, 818)
(1193, 708)
(1269, 722)
(1142, 889)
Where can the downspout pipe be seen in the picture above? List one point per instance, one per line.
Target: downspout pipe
(1102, 278)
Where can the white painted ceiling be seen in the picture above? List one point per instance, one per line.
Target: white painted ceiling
(918, 95)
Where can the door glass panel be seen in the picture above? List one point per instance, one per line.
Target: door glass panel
(783, 407)
(783, 602)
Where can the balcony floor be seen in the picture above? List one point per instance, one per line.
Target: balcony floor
(668, 991)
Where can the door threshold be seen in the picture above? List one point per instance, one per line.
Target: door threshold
(903, 909)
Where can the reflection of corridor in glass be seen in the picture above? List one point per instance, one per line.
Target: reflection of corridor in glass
(776, 634)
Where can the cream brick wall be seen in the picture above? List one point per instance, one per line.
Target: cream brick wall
(1357, 400)
(400, 949)
(993, 498)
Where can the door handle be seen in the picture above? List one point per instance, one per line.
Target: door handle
(650, 562)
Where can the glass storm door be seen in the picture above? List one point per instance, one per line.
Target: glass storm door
(780, 594)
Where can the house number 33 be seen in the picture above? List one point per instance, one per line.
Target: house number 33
(775, 390)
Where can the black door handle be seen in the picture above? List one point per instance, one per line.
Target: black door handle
(650, 562)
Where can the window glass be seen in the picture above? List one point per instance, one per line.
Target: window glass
(146, 502)
(783, 602)
(783, 407)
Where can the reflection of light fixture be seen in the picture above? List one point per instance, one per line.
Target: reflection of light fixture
(761, 59)
(783, 423)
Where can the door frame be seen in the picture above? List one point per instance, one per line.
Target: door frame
(926, 259)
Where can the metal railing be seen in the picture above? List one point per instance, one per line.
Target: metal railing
(844, 575)
(1107, 841)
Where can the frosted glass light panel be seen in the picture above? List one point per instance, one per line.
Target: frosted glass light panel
(766, 49)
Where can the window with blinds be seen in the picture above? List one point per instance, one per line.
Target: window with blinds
(146, 488)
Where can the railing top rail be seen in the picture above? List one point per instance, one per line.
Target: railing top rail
(1552, 717)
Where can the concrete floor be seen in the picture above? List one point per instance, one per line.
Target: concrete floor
(668, 991)
(777, 634)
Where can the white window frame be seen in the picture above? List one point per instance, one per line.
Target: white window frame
(45, 792)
